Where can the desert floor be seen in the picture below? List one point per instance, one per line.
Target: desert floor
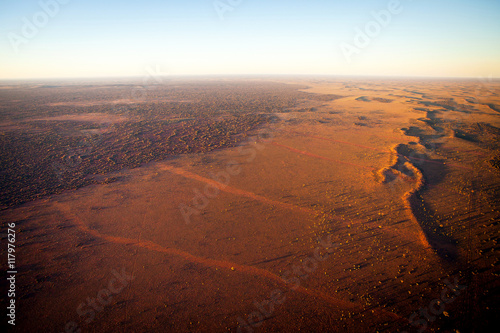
(374, 211)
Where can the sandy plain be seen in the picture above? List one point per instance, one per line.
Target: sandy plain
(375, 208)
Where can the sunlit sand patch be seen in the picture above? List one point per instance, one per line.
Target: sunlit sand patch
(407, 197)
(236, 191)
(322, 157)
(86, 117)
(313, 212)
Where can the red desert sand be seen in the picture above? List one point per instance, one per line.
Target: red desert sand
(350, 205)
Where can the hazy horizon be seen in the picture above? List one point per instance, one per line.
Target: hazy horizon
(105, 79)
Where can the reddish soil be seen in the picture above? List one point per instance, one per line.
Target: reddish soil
(350, 211)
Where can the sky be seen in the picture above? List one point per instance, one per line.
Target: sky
(111, 38)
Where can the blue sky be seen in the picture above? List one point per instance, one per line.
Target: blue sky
(87, 38)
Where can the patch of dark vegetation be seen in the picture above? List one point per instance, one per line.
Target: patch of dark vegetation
(363, 99)
(46, 157)
(465, 135)
(35, 164)
(487, 128)
(305, 110)
(321, 97)
(382, 100)
(414, 92)
(494, 107)
(422, 95)
(432, 114)
(482, 134)
(495, 162)
(413, 131)
(449, 104)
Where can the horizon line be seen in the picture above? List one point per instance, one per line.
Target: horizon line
(134, 77)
